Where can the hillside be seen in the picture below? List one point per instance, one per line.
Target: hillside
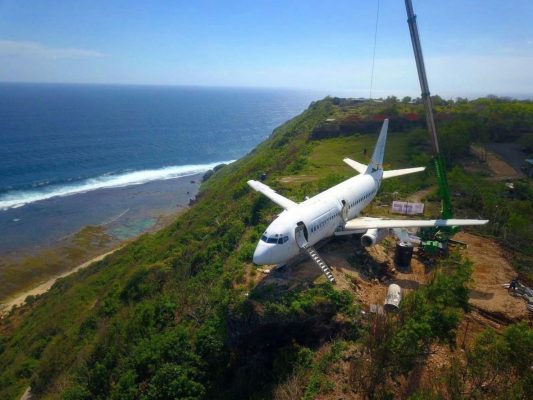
(182, 313)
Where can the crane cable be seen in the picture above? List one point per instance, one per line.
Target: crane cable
(374, 53)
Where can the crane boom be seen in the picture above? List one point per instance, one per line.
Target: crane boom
(446, 210)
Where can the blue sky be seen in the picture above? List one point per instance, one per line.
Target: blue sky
(471, 47)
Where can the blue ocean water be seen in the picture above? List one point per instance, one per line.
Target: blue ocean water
(120, 157)
(60, 140)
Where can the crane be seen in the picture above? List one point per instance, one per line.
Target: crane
(438, 159)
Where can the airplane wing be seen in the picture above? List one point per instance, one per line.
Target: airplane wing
(361, 168)
(398, 172)
(272, 195)
(377, 223)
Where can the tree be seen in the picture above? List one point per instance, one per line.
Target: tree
(391, 100)
(172, 381)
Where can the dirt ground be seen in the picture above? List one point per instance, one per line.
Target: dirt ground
(419, 196)
(369, 272)
(491, 270)
(501, 169)
(297, 179)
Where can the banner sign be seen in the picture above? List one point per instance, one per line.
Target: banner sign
(404, 207)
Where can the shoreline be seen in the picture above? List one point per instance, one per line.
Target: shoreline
(20, 299)
(152, 206)
(124, 211)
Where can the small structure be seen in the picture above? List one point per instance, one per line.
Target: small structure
(394, 296)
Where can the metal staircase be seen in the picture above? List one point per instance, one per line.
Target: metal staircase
(320, 262)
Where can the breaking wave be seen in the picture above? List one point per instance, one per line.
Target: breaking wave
(19, 198)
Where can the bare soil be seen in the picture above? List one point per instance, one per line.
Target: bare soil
(298, 179)
(369, 272)
(417, 197)
(491, 270)
(501, 169)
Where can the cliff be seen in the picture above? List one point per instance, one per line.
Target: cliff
(182, 313)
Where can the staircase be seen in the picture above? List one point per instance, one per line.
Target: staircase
(320, 262)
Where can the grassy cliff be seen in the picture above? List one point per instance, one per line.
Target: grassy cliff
(178, 313)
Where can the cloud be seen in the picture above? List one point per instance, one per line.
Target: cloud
(33, 49)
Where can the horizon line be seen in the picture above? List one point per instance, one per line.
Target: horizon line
(471, 96)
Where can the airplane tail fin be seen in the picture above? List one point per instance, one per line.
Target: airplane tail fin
(376, 162)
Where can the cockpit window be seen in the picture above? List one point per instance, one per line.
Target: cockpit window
(275, 239)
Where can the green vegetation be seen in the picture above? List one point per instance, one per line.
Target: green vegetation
(395, 346)
(498, 366)
(179, 314)
(17, 274)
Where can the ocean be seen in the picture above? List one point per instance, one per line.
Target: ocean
(76, 155)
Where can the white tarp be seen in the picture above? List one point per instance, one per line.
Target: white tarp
(405, 207)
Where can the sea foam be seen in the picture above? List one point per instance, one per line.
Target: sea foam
(19, 198)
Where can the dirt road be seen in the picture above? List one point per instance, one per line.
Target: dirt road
(501, 169)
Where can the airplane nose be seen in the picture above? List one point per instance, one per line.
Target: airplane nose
(262, 255)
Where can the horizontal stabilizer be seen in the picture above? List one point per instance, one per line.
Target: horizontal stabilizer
(361, 168)
(272, 195)
(398, 172)
(376, 223)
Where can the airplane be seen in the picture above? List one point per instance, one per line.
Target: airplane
(335, 211)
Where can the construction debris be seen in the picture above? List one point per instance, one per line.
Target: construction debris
(394, 296)
(518, 289)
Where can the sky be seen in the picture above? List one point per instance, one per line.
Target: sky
(471, 47)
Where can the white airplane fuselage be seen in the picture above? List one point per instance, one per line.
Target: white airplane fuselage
(302, 225)
(316, 218)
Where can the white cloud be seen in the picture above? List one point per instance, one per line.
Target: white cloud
(33, 49)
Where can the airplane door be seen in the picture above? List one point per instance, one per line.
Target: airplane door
(344, 211)
(300, 234)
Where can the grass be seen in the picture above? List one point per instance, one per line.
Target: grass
(326, 155)
(324, 167)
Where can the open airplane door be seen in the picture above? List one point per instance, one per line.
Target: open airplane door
(344, 211)
(300, 234)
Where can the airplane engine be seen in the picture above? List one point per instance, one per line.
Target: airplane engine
(373, 236)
